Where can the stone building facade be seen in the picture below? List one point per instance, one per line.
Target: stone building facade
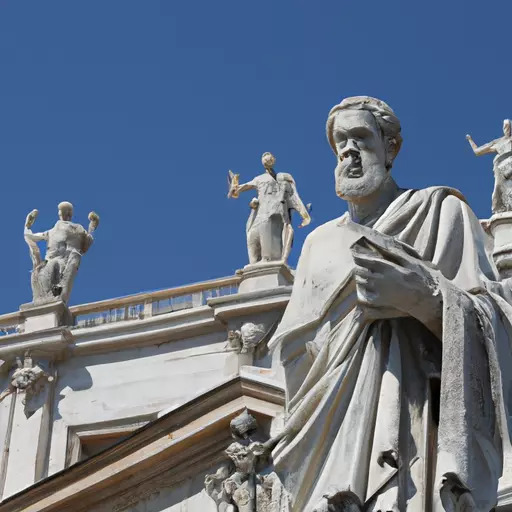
(125, 404)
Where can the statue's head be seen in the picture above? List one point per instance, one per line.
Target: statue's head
(364, 133)
(268, 160)
(507, 129)
(65, 211)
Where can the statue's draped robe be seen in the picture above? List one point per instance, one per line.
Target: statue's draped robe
(358, 389)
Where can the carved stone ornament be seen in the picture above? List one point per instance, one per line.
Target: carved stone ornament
(243, 485)
(247, 338)
(29, 378)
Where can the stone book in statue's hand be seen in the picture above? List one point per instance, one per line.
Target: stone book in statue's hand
(369, 240)
(369, 244)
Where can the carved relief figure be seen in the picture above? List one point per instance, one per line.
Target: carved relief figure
(247, 338)
(243, 485)
(66, 243)
(502, 194)
(269, 228)
(390, 342)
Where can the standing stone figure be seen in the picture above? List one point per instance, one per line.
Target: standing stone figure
(502, 194)
(393, 344)
(66, 243)
(269, 229)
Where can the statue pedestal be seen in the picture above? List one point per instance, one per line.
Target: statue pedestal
(39, 317)
(264, 276)
(500, 227)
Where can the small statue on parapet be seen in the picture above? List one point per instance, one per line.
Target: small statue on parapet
(502, 194)
(52, 277)
(269, 229)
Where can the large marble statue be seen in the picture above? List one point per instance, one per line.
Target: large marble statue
(502, 195)
(394, 343)
(269, 228)
(52, 278)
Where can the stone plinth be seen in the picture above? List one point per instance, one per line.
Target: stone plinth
(39, 317)
(264, 276)
(500, 227)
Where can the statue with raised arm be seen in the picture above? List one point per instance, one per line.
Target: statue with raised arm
(499, 146)
(269, 229)
(52, 277)
(396, 344)
(502, 194)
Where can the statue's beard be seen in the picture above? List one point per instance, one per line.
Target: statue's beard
(352, 188)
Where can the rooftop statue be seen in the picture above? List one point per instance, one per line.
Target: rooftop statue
(502, 195)
(52, 277)
(269, 229)
(393, 343)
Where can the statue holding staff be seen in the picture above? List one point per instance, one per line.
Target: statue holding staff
(269, 229)
(52, 277)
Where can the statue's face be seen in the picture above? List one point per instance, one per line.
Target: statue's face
(361, 152)
(268, 160)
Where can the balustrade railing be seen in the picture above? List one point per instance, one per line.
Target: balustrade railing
(145, 305)
(136, 307)
(10, 324)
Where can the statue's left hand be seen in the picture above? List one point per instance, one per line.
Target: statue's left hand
(405, 284)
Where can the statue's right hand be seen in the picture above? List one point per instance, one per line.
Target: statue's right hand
(31, 218)
(233, 193)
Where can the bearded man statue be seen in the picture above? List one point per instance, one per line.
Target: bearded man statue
(396, 343)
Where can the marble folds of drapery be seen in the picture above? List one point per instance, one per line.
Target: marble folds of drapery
(367, 396)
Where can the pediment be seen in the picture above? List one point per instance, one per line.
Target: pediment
(163, 460)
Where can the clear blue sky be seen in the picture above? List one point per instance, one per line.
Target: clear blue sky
(137, 109)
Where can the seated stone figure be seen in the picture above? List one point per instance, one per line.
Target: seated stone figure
(394, 342)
